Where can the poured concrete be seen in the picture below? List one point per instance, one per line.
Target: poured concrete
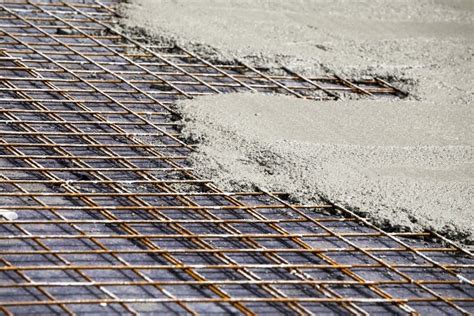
(390, 162)
(407, 163)
(425, 43)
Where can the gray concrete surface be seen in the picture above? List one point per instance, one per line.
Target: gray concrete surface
(428, 43)
(386, 160)
(407, 163)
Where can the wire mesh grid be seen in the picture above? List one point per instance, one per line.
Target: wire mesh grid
(101, 212)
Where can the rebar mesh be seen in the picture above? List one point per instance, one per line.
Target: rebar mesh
(102, 213)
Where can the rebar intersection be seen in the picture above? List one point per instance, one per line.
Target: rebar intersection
(111, 219)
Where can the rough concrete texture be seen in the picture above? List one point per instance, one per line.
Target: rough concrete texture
(387, 160)
(419, 41)
(406, 162)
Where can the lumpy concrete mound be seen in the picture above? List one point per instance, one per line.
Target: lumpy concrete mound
(405, 163)
(428, 42)
(390, 162)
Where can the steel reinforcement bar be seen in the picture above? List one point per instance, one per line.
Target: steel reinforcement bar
(100, 211)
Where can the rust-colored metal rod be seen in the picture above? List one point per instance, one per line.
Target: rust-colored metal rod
(217, 282)
(231, 250)
(234, 299)
(187, 236)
